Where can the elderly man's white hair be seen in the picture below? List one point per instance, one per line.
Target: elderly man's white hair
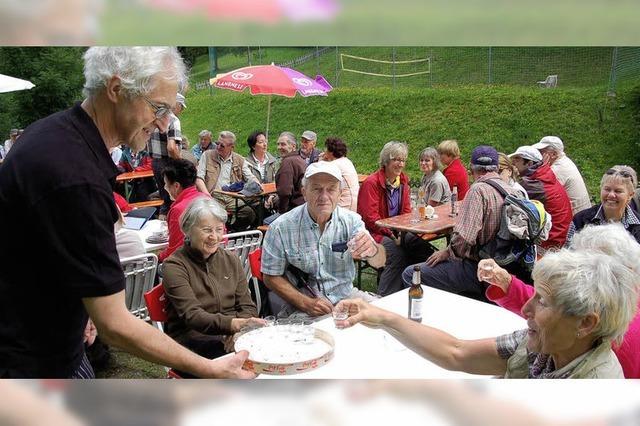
(138, 68)
(228, 135)
(611, 239)
(582, 282)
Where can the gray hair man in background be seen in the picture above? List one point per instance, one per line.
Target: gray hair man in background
(204, 144)
(222, 167)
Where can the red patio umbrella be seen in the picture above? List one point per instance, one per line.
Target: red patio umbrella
(272, 80)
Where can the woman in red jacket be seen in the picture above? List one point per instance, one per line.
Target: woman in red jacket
(386, 193)
(454, 170)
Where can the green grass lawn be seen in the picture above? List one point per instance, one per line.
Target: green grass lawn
(126, 366)
(598, 131)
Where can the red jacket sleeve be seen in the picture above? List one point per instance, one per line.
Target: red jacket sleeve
(517, 295)
(122, 203)
(369, 200)
(176, 237)
(145, 165)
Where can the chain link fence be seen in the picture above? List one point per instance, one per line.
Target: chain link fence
(437, 67)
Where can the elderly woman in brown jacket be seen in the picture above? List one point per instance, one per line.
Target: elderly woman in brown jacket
(206, 285)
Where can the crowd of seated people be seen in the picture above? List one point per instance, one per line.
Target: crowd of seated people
(318, 201)
(581, 309)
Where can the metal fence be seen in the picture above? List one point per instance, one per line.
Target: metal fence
(437, 67)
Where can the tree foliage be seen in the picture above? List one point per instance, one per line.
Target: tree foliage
(57, 74)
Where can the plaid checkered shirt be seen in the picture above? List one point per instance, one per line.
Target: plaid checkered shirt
(158, 142)
(479, 218)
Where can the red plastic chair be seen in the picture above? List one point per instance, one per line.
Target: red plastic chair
(255, 261)
(157, 302)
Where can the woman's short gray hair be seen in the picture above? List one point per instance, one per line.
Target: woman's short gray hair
(392, 150)
(204, 134)
(290, 138)
(138, 68)
(624, 174)
(431, 152)
(584, 282)
(227, 135)
(198, 209)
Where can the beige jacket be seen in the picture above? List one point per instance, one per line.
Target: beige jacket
(598, 363)
(213, 169)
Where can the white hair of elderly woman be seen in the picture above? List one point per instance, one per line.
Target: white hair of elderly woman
(198, 209)
(583, 282)
(138, 68)
(392, 150)
(611, 239)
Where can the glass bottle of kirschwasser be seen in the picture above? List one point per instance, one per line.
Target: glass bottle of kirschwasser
(415, 296)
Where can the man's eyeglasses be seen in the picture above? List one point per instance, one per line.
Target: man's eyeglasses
(623, 173)
(160, 111)
(399, 160)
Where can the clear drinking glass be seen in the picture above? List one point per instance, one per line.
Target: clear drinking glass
(486, 272)
(415, 212)
(339, 314)
(270, 320)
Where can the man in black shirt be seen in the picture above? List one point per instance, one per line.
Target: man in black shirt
(58, 247)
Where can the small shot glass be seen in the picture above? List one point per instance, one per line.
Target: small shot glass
(270, 320)
(486, 272)
(339, 314)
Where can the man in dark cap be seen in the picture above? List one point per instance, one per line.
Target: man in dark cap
(454, 268)
(308, 151)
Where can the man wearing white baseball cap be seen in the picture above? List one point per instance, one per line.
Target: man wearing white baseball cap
(552, 150)
(541, 184)
(308, 252)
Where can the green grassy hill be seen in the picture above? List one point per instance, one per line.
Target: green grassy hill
(598, 131)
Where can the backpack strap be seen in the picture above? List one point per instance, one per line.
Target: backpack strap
(492, 182)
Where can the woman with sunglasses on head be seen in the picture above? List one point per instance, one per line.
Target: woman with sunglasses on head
(616, 191)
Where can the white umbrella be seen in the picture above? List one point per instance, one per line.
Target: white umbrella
(11, 84)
